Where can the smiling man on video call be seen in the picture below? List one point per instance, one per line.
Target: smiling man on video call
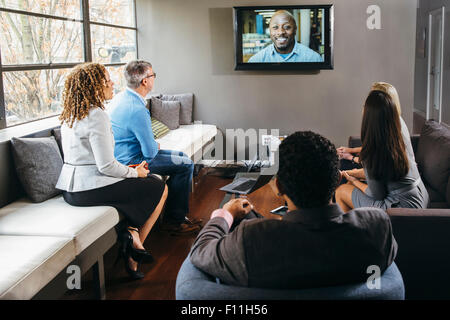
(284, 48)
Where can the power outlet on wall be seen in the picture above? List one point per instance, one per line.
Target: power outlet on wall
(266, 139)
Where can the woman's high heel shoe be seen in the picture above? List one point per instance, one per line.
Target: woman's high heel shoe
(141, 255)
(125, 254)
(138, 255)
(135, 275)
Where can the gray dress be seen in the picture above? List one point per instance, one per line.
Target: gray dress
(408, 192)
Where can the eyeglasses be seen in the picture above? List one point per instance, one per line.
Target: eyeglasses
(152, 75)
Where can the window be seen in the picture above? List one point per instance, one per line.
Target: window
(41, 40)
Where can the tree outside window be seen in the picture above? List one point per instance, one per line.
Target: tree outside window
(41, 40)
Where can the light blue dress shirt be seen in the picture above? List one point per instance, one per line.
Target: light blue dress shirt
(132, 128)
(300, 53)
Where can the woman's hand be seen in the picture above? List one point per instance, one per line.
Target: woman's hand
(347, 156)
(344, 153)
(349, 178)
(343, 149)
(347, 153)
(351, 173)
(357, 173)
(141, 170)
(238, 207)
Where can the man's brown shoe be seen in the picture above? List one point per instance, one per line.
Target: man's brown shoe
(181, 229)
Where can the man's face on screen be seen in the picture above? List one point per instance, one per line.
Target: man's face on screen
(282, 32)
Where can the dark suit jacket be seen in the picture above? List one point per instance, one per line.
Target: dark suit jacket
(308, 248)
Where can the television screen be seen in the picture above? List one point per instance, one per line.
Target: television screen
(284, 37)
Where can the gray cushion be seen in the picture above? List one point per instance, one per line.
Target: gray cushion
(448, 191)
(433, 156)
(149, 100)
(168, 112)
(57, 134)
(186, 100)
(38, 164)
(435, 196)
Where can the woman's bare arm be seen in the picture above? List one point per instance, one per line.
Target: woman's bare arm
(357, 173)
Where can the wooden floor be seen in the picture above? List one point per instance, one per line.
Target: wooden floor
(169, 251)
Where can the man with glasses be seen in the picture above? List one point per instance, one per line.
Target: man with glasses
(135, 142)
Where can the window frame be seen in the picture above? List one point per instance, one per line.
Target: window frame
(87, 50)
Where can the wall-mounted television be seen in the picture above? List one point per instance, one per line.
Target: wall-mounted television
(296, 37)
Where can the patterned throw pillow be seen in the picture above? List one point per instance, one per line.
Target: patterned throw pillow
(159, 129)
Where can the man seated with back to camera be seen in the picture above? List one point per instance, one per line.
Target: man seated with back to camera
(315, 244)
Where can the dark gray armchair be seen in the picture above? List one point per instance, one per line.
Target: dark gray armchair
(193, 284)
(423, 234)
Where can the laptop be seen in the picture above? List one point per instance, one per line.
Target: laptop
(247, 185)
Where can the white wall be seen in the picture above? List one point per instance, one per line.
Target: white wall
(190, 44)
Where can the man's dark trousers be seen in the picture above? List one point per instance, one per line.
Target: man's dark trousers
(179, 167)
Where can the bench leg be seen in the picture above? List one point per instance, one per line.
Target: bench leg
(99, 279)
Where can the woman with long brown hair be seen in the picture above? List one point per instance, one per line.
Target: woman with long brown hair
(352, 154)
(91, 176)
(389, 167)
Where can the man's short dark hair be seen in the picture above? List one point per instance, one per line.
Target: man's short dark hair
(308, 169)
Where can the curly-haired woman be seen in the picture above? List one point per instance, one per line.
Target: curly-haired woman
(387, 157)
(91, 176)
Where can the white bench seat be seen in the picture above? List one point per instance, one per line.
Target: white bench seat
(38, 240)
(56, 218)
(28, 263)
(188, 138)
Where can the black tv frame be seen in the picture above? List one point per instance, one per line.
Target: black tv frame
(329, 36)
